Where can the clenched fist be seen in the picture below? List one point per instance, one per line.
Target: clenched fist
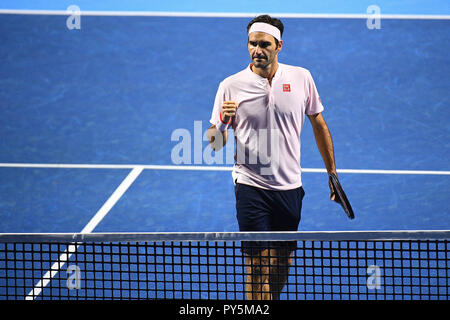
(228, 110)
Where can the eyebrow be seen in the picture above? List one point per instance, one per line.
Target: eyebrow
(261, 42)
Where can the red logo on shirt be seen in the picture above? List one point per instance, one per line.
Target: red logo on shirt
(286, 88)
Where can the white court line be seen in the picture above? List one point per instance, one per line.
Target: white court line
(227, 14)
(205, 168)
(64, 257)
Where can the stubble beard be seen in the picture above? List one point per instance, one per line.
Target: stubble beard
(262, 64)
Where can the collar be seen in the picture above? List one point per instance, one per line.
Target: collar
(265, 80)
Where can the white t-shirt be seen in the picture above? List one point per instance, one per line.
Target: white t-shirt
(268, 123)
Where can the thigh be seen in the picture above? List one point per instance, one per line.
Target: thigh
(252, 209)
(253, 214)
(286, 214)
(286, 210)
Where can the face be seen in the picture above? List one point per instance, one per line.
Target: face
(262, 49)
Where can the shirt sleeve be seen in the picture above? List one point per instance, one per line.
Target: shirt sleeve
(217, 109)
(313, 103)
(218, 101)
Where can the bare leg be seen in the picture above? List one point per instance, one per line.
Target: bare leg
(267, 273)
(257, 279)
(279, 270)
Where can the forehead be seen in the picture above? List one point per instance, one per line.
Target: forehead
(261, 36)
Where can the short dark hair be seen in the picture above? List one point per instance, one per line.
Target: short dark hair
(268, 19)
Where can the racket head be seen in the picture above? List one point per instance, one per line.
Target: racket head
(340, 195)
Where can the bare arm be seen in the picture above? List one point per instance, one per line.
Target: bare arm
(217, 139)
(324, 141)
(324, 144)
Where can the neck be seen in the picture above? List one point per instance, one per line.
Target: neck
(268, 72)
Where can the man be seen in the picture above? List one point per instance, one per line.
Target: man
(266, 104)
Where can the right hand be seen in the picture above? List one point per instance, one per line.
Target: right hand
(228, 110)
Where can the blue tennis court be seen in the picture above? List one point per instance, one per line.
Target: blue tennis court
(89, 117)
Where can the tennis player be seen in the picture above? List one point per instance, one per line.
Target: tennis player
(265, 104)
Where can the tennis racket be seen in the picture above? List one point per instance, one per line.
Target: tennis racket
(341, 198)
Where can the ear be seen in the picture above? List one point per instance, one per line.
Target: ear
(280, 45)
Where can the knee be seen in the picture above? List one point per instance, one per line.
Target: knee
(280, 258)
(259, 266)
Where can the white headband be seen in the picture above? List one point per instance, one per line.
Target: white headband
(266, 28)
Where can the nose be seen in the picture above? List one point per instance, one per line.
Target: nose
(258, 50)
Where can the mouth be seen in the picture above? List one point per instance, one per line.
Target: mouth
(259, 58)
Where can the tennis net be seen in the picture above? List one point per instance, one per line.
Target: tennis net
(356, 265)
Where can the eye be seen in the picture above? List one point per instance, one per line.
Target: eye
(252, 43)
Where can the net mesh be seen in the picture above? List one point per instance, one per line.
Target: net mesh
(336, 266)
